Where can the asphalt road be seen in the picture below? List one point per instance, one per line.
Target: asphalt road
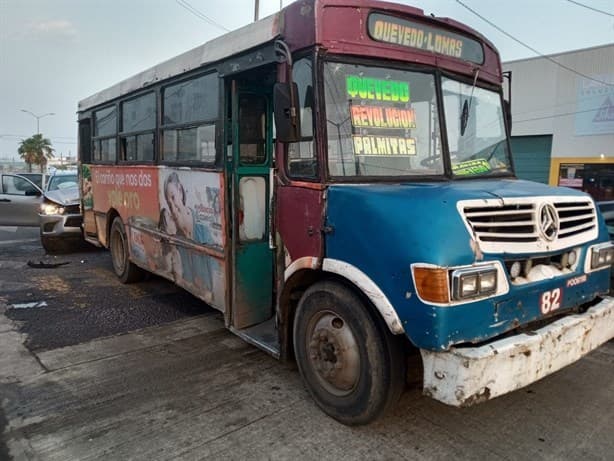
(80, 298)
(92, 369)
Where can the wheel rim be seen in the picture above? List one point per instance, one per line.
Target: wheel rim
(118, 252)
(333, 354)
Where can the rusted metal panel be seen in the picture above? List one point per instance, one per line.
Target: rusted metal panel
(299, 221)
(464, 376)
(298, 24)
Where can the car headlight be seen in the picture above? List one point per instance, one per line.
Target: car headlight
(471, 282)
(49, 208)
(602, 255)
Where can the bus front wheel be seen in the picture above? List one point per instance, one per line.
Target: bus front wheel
(352, 365)
(126, 271)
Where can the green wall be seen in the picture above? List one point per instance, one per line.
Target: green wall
(532, 157)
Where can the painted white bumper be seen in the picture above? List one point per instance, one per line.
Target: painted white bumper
(465, 376)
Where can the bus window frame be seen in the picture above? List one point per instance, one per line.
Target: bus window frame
(123, 135)
(508, 135)
(84, 146)
(94, 138)
(438, 73)
(386, 64)
(218, 163)
(313, 55)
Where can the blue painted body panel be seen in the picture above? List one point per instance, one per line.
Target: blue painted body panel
(383, 228)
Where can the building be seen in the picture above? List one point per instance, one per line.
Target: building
(563, 119)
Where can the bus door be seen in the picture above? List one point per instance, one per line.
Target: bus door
(252, 280)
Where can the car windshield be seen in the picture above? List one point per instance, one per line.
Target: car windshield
(476, 130)
(381, 122)
(65, 181)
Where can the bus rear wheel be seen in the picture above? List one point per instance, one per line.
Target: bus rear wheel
(351, 364)
(125, 270)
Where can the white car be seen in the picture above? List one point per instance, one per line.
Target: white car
(60, 215)
(20, 201)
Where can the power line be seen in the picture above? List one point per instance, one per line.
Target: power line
(55, 139)
(200, 14)
(557, 115)
(588, 7)
(554, 61)
(13, 135)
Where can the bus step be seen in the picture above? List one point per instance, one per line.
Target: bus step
(263, 335)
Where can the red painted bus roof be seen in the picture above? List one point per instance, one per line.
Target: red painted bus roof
(338, 26)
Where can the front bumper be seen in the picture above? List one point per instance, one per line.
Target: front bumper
(464, 376)
(61, 225)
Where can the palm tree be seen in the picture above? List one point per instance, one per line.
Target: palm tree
(36, 150)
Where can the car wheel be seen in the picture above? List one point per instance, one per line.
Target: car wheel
(352, 365)
(53, 245)
(125, 270)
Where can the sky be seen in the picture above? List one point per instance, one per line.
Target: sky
(54, 53)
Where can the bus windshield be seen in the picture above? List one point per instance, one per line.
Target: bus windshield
(476, 130)
(385, 122)
(381, 122)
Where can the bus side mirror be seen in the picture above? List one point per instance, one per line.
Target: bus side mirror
(507, 113)
(287, 118)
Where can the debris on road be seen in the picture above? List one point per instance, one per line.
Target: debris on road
(44, 265)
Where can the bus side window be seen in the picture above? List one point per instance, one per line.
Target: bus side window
(105, 131)
(252, 131)
(189, 116)
(302, 161)
(85, 141)
(138, 122)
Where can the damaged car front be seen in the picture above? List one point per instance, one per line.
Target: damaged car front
(60, 214)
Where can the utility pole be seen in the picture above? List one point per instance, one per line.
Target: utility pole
(256, 9)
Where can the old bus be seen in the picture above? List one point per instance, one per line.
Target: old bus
(337, 180)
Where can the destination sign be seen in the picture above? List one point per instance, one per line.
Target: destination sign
(383, 146)
(376, 89)
(411, 34)
(382, 117)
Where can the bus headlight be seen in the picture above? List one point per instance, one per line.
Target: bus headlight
(474, 281)
(602, 255)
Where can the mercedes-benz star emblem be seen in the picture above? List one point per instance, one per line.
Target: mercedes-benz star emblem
(548, 221)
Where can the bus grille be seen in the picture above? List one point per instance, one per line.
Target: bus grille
(516, 226)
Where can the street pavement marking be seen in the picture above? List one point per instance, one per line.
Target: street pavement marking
(13, 242)
(29, 305)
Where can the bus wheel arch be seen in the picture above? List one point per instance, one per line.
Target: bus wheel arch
(126, 271)
(369, 289)
(111, 215)
(294, 287)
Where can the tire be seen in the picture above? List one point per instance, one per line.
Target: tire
(126, 271)
(54, 246)
(352, 365)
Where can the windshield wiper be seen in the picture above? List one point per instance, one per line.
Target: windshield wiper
(464, 119)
